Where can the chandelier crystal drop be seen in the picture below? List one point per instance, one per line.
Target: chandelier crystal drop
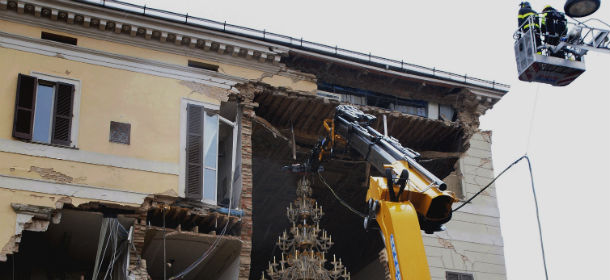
(305, 245)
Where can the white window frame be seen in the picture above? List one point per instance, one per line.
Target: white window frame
(204, 167)
(184, 102)
(235, 127)
(76, 102)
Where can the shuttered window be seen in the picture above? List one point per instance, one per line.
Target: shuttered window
(459, 276)
(24, 107)
(43, 111)
(194, 152)
(210, 153)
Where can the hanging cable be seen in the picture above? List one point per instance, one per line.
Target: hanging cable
(490, 183)
(202, 257)
(164, 255)
(529, 135)
(209, 250)
(339, 199)
(531, 173)
(529, 166)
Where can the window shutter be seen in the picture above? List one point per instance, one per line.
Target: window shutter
(62, 117)
(194, 150)
(24, 107)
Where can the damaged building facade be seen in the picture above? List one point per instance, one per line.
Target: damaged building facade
(135, 143)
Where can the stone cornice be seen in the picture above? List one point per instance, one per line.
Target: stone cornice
(145, 31)
(96, 57)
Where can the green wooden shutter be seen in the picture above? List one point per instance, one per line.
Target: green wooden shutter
(194, 152)
(24, 107)
(62, 115)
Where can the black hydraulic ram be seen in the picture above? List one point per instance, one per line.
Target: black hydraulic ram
(354, 126)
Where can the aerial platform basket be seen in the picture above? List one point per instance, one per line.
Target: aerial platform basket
(560, 63)
(533, 66)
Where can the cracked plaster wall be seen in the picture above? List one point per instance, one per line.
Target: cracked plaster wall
(472, 242)
(68, 172)
(12, 223)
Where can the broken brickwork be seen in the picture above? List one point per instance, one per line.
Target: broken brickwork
(246, 170)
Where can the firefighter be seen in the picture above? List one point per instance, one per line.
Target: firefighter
(525, 12)
(553, 26)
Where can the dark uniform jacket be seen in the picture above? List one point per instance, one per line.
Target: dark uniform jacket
(524, 13)
(554, 25)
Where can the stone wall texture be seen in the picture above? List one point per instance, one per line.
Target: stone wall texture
(472, 242)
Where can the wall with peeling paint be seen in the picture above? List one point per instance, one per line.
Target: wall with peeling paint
(151, 104)
(8, 215)
(69, 172)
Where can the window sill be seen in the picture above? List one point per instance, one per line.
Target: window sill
(47, 144)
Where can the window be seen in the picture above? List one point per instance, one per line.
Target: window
(459, 276)
(210, 157)
(44, 110)
(369, 98)
(58, 38)
(202, 65)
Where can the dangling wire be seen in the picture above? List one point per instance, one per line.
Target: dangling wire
(164, 255)
(339, 198)
(529, 165)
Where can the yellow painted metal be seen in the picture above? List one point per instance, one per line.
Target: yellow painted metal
(418, 191)
(399, 220)
(403, 241)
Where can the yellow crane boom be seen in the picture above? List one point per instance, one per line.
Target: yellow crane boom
(405, 201)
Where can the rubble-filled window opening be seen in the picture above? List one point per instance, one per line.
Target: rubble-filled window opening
(365, 97)
(211, 154)
(44, 110)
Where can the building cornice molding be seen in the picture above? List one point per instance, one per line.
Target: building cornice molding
(142, 30)
(113, 60)
(163, 35)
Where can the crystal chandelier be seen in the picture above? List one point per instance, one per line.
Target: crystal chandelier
(305, 246)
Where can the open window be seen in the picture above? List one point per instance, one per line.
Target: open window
(44, 110)
(212, 157)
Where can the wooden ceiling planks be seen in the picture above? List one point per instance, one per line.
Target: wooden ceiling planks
(307, 111)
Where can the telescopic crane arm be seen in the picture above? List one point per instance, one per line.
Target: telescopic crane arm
(408, 198)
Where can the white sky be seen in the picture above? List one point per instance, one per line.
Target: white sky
(570, 138)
